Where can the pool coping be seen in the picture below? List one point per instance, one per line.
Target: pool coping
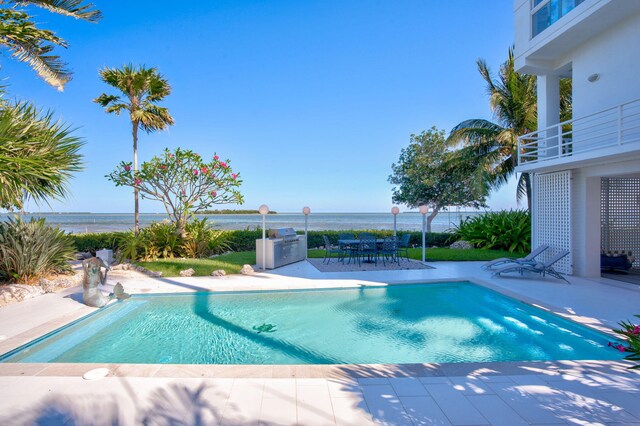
(334, 371)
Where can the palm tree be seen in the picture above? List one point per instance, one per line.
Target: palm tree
(513, 101)
(30, 44)
(143, 88)
(37, 155)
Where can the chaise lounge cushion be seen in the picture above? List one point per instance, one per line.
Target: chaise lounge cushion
(615, 262)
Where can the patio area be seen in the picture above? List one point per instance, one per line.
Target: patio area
(513, 393)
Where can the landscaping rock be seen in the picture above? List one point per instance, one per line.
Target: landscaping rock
(11, 293)
(154, 274)
(49, 285)
(461, 245)
(83, 255)
(247, 270)
(123, 267)
(218, 273)
(187, 272)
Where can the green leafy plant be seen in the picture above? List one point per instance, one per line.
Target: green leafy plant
(31, 250)
(503, 230)
(631, 334)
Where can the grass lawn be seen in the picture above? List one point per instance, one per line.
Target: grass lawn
(232, 262)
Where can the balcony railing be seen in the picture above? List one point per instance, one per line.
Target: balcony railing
(545, 12)
(618, 126)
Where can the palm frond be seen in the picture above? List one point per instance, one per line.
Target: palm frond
(32, 45)
(143, 88)
(37, 155)
(73, 8)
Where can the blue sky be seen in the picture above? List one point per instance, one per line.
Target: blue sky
(312, 101)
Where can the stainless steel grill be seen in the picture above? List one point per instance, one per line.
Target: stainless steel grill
(282, 247)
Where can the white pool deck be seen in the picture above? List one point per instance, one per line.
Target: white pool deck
(525, 393)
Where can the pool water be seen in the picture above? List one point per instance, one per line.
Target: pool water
(419, 323)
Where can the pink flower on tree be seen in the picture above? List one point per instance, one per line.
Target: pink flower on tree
(127, 168)
(204, 170)
(234, 175)
(163, 167)
(223, 165)
(195, 172)
(137, 181)
(216, 158)
(621, 348)
(636, 330)
(214, 193)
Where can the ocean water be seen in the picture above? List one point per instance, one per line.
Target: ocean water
(107, 222)
(432, 323)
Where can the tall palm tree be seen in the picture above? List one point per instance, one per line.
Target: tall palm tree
(513, 101)
(142, 88)
(37, 155)
(30, 44)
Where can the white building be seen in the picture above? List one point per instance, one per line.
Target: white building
(586, 172)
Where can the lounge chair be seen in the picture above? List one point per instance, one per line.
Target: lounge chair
(543, 268)
(528, 259)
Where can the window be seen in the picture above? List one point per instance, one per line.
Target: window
(545, 12)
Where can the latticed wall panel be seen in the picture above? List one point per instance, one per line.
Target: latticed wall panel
(552, 216)
(620, 216)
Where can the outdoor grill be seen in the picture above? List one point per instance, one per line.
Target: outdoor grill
(282, 247)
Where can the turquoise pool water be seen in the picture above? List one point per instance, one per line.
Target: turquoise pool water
(425, 323)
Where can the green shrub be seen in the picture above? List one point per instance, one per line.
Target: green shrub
(30, 250)
(92, 242)
(203, 241)
(503, 230)
(162, 240)
(147, 245)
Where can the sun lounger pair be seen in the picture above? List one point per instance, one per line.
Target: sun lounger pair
(528, 259)
(542, 268)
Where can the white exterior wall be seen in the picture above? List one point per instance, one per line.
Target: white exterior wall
(615, 56)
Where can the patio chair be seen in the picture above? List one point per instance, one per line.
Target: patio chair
(328, 250)
(403, 246)
(389, 250)
(542, 268)
(367, 248)
(347, 249)
(528, 259)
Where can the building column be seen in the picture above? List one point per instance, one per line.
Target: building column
(548, 87)
(586, 225)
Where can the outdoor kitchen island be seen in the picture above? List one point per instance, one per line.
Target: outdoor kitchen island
(282, 247)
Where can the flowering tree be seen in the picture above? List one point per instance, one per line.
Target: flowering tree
(183, 182)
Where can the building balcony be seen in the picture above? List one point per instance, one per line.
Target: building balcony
(613, 132)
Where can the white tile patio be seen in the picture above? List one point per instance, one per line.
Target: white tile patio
(579, 392)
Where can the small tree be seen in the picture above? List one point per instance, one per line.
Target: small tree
(429, 173)
(183, 182)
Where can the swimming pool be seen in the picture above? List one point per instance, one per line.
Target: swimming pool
(417, 323)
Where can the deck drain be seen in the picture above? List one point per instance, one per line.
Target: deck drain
(96, 373)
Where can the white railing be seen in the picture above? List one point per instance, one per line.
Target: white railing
(613, 127)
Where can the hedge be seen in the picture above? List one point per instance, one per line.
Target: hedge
(245, 240)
